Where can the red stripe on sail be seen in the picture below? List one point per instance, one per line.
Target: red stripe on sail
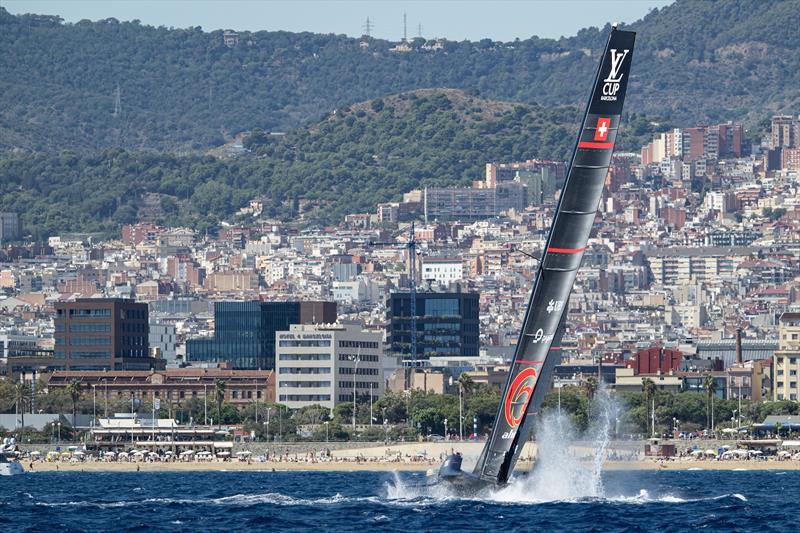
(590, 144)
(566, 250)
(529, 362)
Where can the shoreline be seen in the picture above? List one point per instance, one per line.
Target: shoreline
(373, 466)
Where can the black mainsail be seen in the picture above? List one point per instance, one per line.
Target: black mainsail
(538, 349)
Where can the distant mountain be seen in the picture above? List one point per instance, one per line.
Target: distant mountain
(185, 90)
(350, 161)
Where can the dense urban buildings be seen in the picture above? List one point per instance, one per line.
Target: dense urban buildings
(697, 236)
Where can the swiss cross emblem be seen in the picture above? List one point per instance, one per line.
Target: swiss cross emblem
(601, 133)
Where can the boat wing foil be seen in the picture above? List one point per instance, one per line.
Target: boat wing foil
(538, 347)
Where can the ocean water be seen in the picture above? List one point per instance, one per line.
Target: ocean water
(326, 501)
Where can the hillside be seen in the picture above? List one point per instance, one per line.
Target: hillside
(348, 162)
(184, 90)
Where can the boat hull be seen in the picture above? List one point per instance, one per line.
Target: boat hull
(11, 468)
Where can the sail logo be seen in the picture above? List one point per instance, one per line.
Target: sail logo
(615, 74)
(557, 305)
(519, 395)
(539, 336)
(601, 132)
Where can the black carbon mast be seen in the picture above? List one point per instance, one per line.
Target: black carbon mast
(538, 347)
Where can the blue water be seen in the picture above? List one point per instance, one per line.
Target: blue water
(317, 501)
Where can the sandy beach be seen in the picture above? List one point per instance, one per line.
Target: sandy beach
(98, 466)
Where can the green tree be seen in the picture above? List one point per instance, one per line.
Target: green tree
(711, 388)
(74, 389)
(219, 396)
(590, 386)
(22, 399)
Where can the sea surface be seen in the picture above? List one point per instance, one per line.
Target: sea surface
(370, 501)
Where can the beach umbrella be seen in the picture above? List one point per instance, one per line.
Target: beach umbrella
(710, 452)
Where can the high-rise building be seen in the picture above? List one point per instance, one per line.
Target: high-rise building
(500, 172)
(162, 338)
(453, 203)
(784, 131)
(447, 324)
(327, 364)
(103, 334)
(10, 227)
(244, 332)
(692, 140)
(786, 361)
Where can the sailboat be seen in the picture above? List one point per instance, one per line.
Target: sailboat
(538, 348)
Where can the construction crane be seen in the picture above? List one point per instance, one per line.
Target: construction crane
(411, 245)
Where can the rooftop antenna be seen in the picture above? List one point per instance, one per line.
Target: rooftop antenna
(117, 103)
(368, 27)
(405, 28)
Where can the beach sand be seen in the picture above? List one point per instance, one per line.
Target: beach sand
(414, 457)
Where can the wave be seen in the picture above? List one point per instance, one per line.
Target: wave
(243, 500)
(420, 495)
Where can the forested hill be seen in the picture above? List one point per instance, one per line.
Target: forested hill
(348, 162)
(184, 90)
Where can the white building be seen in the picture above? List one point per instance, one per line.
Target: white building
(347, 292)
(442, 270)
(163, 338)
(317, 364)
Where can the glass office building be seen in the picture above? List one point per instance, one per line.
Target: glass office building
(447, 324)
(244, 332)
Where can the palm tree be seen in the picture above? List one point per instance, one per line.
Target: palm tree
(466, 383)
(711, 388)
(22, 398)
(649, 390)
(591, 387)
(219, 394)
(74, 389)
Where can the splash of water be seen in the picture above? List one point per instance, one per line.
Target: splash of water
(565, 468)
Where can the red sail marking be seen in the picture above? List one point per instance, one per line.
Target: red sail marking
(529, 362)
(566, 250)
(590, 144)
(555, 348)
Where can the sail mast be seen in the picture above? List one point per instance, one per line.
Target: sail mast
(537, 354)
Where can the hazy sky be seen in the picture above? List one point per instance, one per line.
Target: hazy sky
(502, 20)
